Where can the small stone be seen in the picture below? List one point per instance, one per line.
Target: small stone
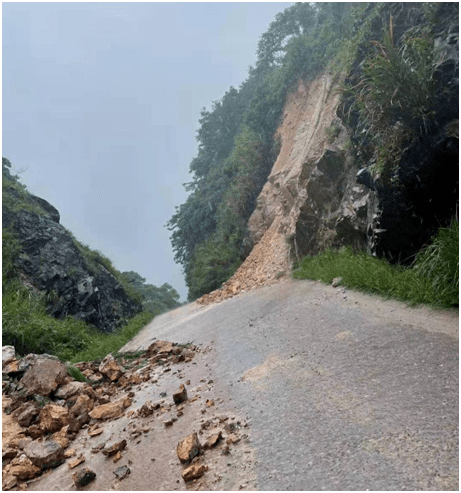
(110, 368)
(113, 449)
(180, 395)
(213, 440)
(76, 461)
(188, 448)
(69, 453)
(209, 402)
(83, 477)
(232, 439)
(117, 456)
(111, 410)
(336, 281)
(98, 448)
(95, 432)
(194, 471)
(8, 354)
(122, 472)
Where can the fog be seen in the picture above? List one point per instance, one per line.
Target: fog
(101, 103)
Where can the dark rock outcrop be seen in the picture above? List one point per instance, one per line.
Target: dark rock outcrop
(406, 208)
(51, 262)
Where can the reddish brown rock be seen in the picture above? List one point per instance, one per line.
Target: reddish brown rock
(45, 454)
(70, 389)
(23, 468)
(8, 481)
(76, 462)
(213, 440)
(159, 347)
(148, 408)
(34, 432)
(26, 413)
(83, 477)
(44, 376)
(232, 439)
(188, 448)
(194, 471)
(113, 449)
(112, 410)
(60, 437)
(75, 423)
(180, 395)
(69, 453)
(110, 368)
(83, 404)
(52, 418)
(95, 432)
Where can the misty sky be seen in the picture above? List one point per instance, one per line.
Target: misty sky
(101, 103)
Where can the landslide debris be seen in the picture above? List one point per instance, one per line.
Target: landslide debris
(60, 428)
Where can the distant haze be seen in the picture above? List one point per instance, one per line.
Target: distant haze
(101, 103)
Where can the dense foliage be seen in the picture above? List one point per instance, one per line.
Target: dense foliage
(154, 299)
(236, 146)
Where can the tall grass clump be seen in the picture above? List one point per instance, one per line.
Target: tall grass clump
(439, 262)
(370, 274)
(102, 344)
(27, 326)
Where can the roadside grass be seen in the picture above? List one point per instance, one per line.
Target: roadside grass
(433, 279)
(102, 344)
(30, 329)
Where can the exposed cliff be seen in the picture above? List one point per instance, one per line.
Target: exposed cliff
(52, 262)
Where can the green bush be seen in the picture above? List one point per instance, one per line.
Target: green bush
(439, 262)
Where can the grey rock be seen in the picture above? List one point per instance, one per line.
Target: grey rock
(122, 472)
(45, 454)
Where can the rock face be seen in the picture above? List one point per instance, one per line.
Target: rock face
(50, 261)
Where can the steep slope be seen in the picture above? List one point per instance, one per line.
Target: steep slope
(76, 280)
(310, 200)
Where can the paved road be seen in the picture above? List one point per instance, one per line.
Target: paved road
(343, 391)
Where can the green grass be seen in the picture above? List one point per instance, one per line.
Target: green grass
(439, 262)
(103, 344)
(27, 326)
(433, 280)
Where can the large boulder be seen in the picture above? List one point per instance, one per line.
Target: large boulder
(44, 376)
(45, 454)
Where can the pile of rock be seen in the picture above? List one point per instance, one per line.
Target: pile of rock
(45, 407)
(268, 263)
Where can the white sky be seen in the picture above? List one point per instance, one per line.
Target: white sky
(101, 103)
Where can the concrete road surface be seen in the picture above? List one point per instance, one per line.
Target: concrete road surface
(343, 391)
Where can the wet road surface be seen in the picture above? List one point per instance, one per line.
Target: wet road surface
(342, 391)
